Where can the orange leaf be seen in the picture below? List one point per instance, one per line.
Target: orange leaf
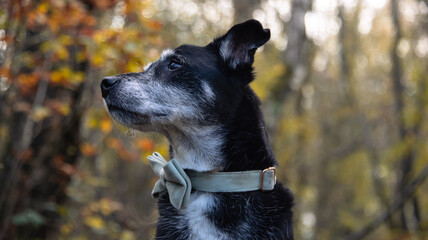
(106, 125)
(145, 144)
(88, 149)
(27, 82)
(153, 25)
(114, 143)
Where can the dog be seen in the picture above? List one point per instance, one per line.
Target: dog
(200, 99)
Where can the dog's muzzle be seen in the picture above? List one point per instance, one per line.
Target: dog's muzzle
(107, 84)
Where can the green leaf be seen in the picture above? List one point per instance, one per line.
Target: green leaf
(29, 216)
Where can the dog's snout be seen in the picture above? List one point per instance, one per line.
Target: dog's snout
(106, 84)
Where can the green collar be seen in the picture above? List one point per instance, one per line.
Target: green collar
(179, 183)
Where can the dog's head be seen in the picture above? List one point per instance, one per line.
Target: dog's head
(189, 85)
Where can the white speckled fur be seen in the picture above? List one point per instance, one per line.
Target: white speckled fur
(225, 51)
(166, 53)
(147, 66)
(195, 214)
(190, 145)
(156, 97)
(209, 93)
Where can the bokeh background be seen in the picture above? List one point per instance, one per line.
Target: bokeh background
(344, 86)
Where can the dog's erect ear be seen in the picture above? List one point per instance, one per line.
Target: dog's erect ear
(238, 46)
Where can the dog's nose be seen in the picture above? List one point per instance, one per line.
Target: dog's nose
(106, 84)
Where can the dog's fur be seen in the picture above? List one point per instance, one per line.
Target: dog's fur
(200, 99)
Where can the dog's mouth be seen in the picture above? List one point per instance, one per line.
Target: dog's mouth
(130, 117)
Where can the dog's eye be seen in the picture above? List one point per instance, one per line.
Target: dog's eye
(174, 65)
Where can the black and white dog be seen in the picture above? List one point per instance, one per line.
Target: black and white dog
(200, 99)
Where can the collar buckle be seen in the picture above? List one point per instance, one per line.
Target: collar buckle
(263, 176)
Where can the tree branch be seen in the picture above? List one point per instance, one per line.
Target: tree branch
(399, 201)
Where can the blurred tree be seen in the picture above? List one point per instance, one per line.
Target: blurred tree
(44, 111)
(398, 203)
(408, 132)
(288, 92)
(405, 134)
(49, 77)
(244, 9)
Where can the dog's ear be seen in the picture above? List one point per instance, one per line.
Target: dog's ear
(238, 46)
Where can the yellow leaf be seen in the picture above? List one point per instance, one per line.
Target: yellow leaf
(101, 36)
(78, 77)
(95, 222)
(46, 46)
(43, 7)
(127, 235)
(92, 122)
(65, 39)
(62, 52)
(56, 77)
(40, 113)
(66, 72)
(64, 109)
(97, 60)
(81, 56)
(107, 206)
(62, 75)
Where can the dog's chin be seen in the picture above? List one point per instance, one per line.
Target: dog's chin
(136, 120)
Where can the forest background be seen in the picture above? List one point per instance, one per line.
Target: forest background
(344, 86)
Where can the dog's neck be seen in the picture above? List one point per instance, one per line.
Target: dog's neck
(247, 145)
(197, 148)
(237, 145)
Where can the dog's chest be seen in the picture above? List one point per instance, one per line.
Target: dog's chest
(196, 216)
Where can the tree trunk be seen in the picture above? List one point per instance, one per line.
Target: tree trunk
(244, 9)
(406, 134)
(296, 59)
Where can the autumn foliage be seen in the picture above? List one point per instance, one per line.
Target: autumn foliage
(55, 54)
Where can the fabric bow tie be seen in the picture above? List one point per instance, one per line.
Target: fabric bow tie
(172, 179)
(178, 183)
